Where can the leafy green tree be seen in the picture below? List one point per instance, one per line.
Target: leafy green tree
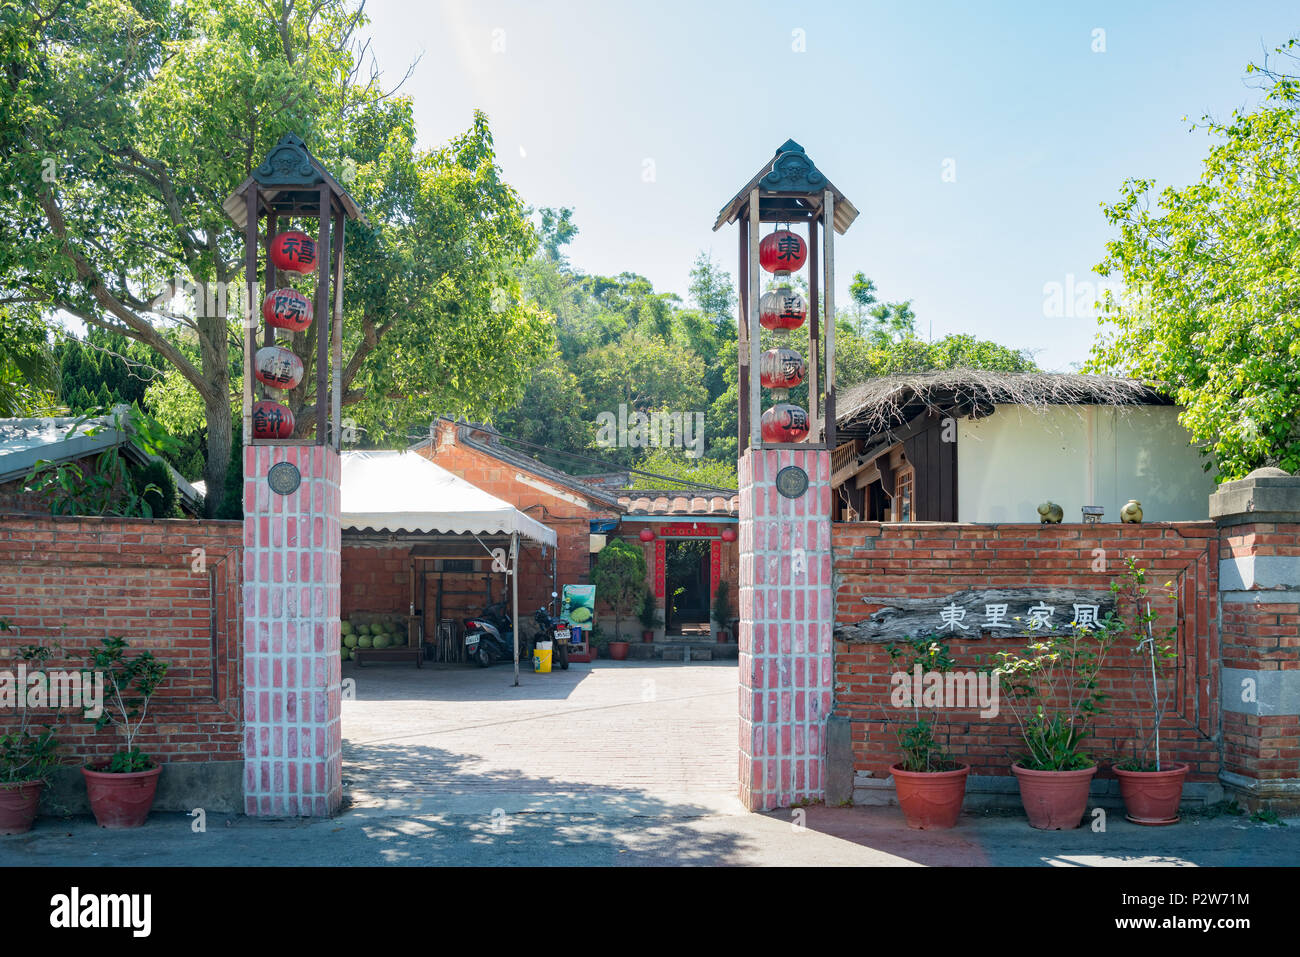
(29, 373)
(125, 123)
(619, 576)
(1212, 303)
(675, 464)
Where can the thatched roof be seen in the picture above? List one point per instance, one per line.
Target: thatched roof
(887, 402)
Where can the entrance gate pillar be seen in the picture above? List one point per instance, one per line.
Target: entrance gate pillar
(292, 476)
(786, 594)
(787, 612)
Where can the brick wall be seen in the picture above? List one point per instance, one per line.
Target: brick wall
(561, 508)
(170, 586)
(931, 560)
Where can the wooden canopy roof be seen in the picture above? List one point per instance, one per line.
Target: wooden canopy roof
(790, 187)
(290, 179)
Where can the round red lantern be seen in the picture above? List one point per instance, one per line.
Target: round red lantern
(647, 535)
(728, 534)
(271, 420)
(293, 251)
(782, 251)
(785, 423)
(781, 368)
(277, 367)
(781, 310)
(287, 309)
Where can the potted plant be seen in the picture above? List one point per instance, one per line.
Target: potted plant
(1152, 789)
(930, 784)
(648, 616)
(122, 790)
(1051, 689)
(26, 758)
(722, 609)
(619, 577)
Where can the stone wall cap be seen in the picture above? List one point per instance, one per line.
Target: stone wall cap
(1270, 492)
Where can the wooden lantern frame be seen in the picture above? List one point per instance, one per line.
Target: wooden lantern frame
(289, 183)
(788, 190)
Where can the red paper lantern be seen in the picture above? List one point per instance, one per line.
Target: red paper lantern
(277, 367)
(781, 368)
(785, 423)
(782, 251)
(271, 420)
(782, 310)
(728, 534)
(647, 535)
(293, 251)
(287, 309)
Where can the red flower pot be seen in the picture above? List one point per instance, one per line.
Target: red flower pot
(723, 637)
(647, 636)
(618, 650)
(930, 799)
(121, 800)
(18, 806)
(1054, 800)
(1152, 797)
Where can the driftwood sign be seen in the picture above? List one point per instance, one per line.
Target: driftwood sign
(973, 614)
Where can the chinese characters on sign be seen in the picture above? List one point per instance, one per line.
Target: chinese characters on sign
(1036, 618)
(979, 613)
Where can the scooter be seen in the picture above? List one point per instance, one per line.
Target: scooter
(490, 637)
(555, 631)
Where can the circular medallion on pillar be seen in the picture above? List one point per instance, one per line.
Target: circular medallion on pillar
(284, 478)
(792, 481)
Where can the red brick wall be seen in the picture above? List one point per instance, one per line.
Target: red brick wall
(932, 560)
(571, 521)
(1261, 637)
(76, 581)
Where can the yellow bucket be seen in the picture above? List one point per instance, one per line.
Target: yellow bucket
(542, 657)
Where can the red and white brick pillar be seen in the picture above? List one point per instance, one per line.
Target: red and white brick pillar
(787, 610)
(1259, 636)
(292, 697)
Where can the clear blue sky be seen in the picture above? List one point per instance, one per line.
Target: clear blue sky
(1040, 128)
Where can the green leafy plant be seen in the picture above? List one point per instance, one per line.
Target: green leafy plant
(129, 685)
(111, 486)
(1156, 652)
(648, 614)
(1051, 689)
(722, 607)
(27, 755)
(922, 741)
(619, 577)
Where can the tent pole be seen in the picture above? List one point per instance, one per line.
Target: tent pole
(514, 584)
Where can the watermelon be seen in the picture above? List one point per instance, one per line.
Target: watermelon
(345, 627)
(382, 641)
(365, 641)
(350, 641)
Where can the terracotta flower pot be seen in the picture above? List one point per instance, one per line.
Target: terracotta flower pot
(18, 806)
(618, 650)
(930, 799)
(121, 800)
(647, 636)
(1152, 797)
(1054, 800)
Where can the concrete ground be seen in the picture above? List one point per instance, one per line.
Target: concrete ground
(612, 763)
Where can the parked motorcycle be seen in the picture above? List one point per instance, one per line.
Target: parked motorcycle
(554, 630)
(490, 637)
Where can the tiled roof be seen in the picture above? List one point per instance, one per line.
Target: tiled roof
(677, 502)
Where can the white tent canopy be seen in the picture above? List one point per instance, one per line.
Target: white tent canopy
(403, 491)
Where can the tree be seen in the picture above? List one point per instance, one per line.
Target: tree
(619, 576)
(677, 465)
(1212, 304)
(29, 373)
(124, 126)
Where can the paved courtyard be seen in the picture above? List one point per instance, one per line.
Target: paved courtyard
(609, 738)
(612, 763)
